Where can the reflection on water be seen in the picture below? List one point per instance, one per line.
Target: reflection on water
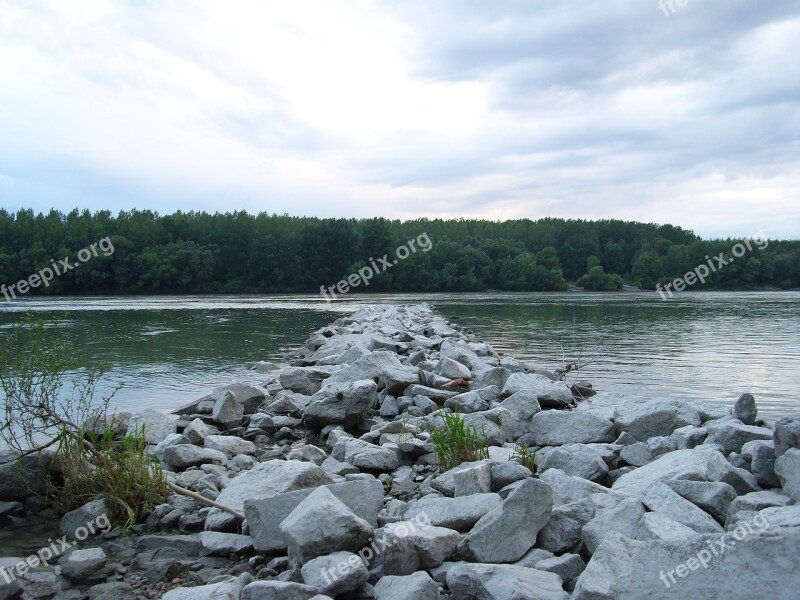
(711, 346)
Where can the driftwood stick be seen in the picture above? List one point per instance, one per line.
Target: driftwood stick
(205, 501)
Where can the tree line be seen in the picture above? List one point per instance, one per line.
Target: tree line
(237, 252)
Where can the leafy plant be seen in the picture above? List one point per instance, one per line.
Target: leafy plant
(50, 405)
(455, 442)
(524, 456)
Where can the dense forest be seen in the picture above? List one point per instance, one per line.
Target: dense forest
(239, 252)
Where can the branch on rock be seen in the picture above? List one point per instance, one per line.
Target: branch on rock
(204, 500)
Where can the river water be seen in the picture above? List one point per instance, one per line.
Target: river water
(169, 350)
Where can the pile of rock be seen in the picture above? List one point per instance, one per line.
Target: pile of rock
(332, 465)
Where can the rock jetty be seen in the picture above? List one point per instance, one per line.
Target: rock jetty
(331, 463)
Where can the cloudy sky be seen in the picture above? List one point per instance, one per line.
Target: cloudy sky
(441, 108)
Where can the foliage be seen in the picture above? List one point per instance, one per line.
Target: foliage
(238, 252)
(524, 456)
(455, 442)
(50, 403)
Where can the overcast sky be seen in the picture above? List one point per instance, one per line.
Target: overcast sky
(464, 108)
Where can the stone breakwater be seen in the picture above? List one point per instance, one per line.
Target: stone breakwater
(331, 464)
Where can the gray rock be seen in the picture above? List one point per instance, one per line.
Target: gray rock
(787, 467)
(275, 590)
(651, 418)
(460, 353)
(556, 428)
(265, 480)
(745, 409)
(523, 405)
(264, 515)
(217, 543)
(156, 425)
(184, 456)
(94, 513)
(341, 404)
(680, 464)
(304, 380)
(657, 526)
(417, 586)
(660, 498)
(383, 367)
(224, 588)
(197, 430)
(335, 573)
(566, 566)
(689, 437)
(563, 530)
(756, 501)
(113, 590)
(262, 421)
(409, 547)
(508, 472)
(459, 514)
(503, 582)
(577, 460)
(451, 369)
(762, 462)
(550, 394)
(623, 518)
(80, 565)
(475, 479)
(365, 456)
(719, 469)
(229, 445)
(568, 489)
(322, 524)
(732, 434)
(712, 496)
(228, 411)
(786, 434)
(507, 532)
(638, 454)
(625, 569)
(473, 401)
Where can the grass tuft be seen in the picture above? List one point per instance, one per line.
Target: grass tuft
(456, 443)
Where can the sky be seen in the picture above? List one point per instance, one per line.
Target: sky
(685, 112)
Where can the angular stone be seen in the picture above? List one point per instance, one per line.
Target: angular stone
(265, 480)
(473, 401)
(184, 456)
(459, 514)
(322, 524)
(197, 430)
(556, 428)
(552, 394)
(365, 456)
(229, 445)
(786, 434)
(451, 369)
(577, 460)
(787, 467)
(506, 473)
(680, 464)
(411, 546)
(503, 582)
(651, 418)
(94, 512)
(732, 434)
(566, 566)
(507, 532)
(156, 425)
(80, 565)
(276, 590)
(762, 462)
(745, 409)
(228, 411)
(657, 526)
(417, 586)
(638, 454)
(341, 404)
(523, 405)
(264, 515)
(660, 498)
(303, 380)
(756, 501)
(714, 497)
(563, 530)
(335, 573)
(228, 587)
(476, 479)
(623, 518)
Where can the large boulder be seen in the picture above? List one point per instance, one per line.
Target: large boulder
(265, 480)
(653, 418)
(459, 514)
(661, 498)
(24, 477)
(417, 586)
(156, 425)
(623, 518)
(451, 369)
(409, 547)
(745, 409)
(681, 464)
(507, 532)
(550, 394)
(714, 497)
(709, 566)
(250, 397)
(732, 434)
(264, 515)
(557, 427)
(365, 456)
(786, 434)
(341, 404)
(322, 524)
(384, 368)
(336, 573)
(787, 467)
(563, 530)
(503, 582)
(228, 411)
(577, 460)
(303, 380)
